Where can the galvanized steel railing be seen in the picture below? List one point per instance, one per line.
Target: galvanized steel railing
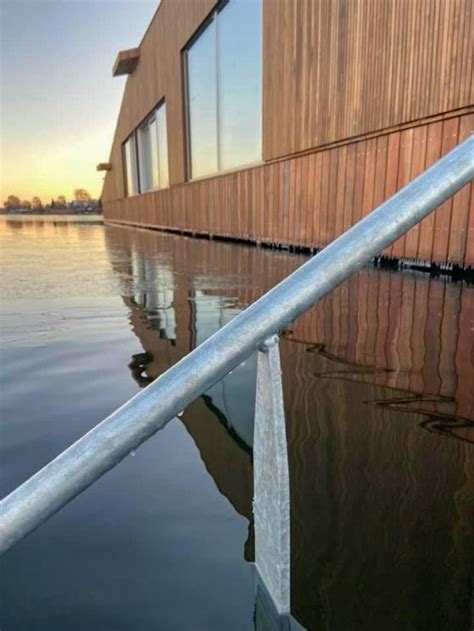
(112, 440)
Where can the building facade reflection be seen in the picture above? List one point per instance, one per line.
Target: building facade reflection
(380, 421)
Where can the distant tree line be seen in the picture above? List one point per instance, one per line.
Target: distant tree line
(13, 202)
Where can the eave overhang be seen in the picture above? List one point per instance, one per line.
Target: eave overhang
(126, 62)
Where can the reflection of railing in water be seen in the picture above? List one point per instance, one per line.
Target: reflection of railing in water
(411, 402)
(435, 422)
(103, 447)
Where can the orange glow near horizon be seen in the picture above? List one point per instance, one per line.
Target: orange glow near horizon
(58, 100)
(48, 172)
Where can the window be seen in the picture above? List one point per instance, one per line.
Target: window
(162, 146)
(130, 163)
(148, 155)
(151, 160)
(224, 89)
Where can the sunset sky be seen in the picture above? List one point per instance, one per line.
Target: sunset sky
(59, 101)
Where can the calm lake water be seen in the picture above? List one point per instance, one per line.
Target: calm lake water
(378, 384)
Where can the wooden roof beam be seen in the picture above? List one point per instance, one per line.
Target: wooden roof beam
(126, 62)
(104, 166)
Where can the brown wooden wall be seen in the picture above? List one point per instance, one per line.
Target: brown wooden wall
(337, 69)
(311, 199)
(374, 91)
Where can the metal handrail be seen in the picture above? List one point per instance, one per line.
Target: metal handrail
(111, 441)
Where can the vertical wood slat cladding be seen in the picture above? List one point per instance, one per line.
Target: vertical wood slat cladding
(309, 200)
(335, 69)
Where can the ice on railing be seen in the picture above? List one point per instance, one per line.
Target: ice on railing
(271, 479)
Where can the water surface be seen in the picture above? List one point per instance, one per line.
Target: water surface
(380, 419)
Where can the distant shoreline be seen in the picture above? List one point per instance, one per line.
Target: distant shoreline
(52, 211)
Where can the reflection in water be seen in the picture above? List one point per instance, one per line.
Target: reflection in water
(153, 544)
(380, 409)
(138, 365)
(380, 414)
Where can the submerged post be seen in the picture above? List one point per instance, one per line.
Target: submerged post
(271, 479)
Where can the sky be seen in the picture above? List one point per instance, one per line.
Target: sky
(58, 100)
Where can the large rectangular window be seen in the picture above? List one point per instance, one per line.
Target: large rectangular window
(130, 165)
(162, 136)
(148, 155)
(151, 160)
(224, 86)
(153, 151)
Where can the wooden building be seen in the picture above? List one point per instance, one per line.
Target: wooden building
(286, 121)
